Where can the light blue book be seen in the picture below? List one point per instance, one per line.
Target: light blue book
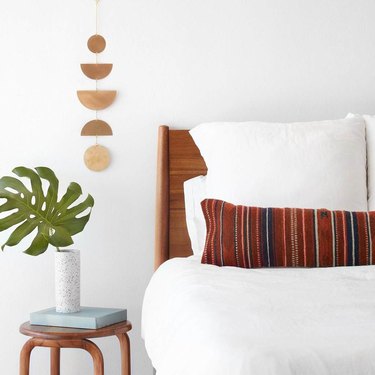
(87, 318)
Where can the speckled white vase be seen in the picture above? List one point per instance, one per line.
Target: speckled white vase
(67, 281)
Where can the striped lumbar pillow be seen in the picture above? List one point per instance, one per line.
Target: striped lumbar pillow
(253, 237)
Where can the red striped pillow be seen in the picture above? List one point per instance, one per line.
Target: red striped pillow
(253, 237)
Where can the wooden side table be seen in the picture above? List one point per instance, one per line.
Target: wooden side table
(58, 337)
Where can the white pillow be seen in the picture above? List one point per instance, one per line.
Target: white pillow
(370, 142)
(308, 165)
(195, 193)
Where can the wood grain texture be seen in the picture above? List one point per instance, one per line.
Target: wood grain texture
(96, 127)
(84, 344)
(96, 354)
(181, 161)
(125, 353)
(25, 357)
(162, 199)
(61, 333)
(96, 43)
(96, 71)
(56, 338)
(96, 99)
(55, 361)
(97, 158)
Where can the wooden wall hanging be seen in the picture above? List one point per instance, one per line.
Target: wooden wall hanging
(97, 157)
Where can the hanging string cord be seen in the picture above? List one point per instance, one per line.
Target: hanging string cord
(96, 54)
(96, 32)
(96, 15)
(96, 23)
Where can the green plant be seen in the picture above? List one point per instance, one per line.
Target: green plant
(56, 221)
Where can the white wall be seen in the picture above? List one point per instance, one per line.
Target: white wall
(175, 62)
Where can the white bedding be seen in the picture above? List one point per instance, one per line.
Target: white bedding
(206, 320)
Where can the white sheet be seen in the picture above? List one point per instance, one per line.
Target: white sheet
(205, 320)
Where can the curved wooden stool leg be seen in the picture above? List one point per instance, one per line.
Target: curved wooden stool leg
(56, 338)
(55, 361)
(125, 353)
(96, 355)
(25, 356)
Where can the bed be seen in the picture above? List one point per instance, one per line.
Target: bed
(202, 319)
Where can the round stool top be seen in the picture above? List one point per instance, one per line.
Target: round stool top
(62, 333)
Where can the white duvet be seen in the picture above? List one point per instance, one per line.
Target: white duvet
(206, 320)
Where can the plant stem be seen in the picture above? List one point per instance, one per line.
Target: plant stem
(58, 249)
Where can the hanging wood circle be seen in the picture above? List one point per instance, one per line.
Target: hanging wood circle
(96, 43)
(97, 158)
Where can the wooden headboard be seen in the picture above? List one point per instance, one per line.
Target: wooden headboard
(178, 160)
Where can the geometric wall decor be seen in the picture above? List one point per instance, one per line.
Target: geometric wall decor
(97, 157)
(95, 99)
(96, 71)
(96, 43)
(96, 128)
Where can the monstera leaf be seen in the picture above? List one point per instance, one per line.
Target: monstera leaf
(55, 221)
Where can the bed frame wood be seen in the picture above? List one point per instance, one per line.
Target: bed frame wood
(178, 160)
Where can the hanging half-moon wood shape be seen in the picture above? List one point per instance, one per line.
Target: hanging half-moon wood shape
(96, 127)
(96, 71)
(97, 158)
(96, 99)
(96, 43)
